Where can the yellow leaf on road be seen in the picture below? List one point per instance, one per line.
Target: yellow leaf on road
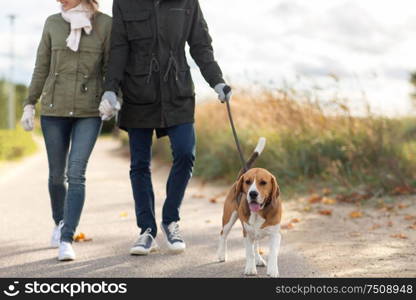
(288, 226)
(329, 201)
(399, 236)
(315, 198)
(325, 212)
(326, 191)
(80, 237)
(307, 208)
(402, 205)
(213, 200)
(375, 226)
(356, 214)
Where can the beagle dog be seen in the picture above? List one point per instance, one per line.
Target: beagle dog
(254, 199)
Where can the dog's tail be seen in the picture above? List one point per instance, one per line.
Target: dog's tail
(261, 144)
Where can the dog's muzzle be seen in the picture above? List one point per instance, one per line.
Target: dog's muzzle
(253, 204)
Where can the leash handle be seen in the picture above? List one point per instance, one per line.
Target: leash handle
(226, 90)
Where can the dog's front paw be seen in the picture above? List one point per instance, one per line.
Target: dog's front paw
(221, 257)
(250, 270)
(273, 272)
(221, 253)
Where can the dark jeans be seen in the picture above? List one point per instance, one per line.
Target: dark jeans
(69, 143)
(182, 140)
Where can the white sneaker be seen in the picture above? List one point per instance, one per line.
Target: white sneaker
(66, 252)
(144, 244)
(56, 235)
(173, 236)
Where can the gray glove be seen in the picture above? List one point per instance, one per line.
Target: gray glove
(109, 106)
(28, 117)
(219, 89)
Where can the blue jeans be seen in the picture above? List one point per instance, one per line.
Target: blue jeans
(182, 140)
(69, 143)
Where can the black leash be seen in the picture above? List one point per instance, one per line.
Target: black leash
(226, 90)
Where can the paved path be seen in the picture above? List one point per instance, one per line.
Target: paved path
(108, 218)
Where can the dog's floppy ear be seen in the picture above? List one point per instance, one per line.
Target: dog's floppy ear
(239, 186)
(274, 195)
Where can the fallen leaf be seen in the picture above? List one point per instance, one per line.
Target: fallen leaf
(402, 205)
(354, 197)
(412, 227)
(295, 220)
(399, 236)
(307, 208)
(390, 224)
(261, 251)
(356, 214)
(329, 201)
(288, 226)
(375, 226)
(315, 198)
(403, 190)
(80, 237)
(326, 212)
(123, 214)
(409, 217)
(326, 191)
(354, 234)
(387, 207)
(213, 200)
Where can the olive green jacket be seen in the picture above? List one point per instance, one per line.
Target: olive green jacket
(68, 83)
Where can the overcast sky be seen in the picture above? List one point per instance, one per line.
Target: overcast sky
(369, 45)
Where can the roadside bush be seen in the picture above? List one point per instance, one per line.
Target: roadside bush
(15, 144)
(307, 142)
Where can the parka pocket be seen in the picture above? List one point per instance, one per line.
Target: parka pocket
(137, 88)
(176, 21)
(46, 97)
(184, 85)
(88, 98)
(138, 25)
(48, 93)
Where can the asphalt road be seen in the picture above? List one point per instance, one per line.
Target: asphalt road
(108, 218)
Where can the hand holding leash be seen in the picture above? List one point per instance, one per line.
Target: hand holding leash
(224, 92)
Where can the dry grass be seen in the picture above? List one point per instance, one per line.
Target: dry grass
(308, 143)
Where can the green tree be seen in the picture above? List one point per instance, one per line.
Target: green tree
(413, 82)
(20, 94)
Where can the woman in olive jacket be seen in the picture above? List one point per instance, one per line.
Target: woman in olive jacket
(68, 77)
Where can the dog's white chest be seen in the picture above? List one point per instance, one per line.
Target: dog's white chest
(253, 227)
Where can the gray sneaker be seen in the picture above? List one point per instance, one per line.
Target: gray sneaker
(173, 236)
(144, 244)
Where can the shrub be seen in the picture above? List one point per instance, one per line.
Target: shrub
(15, 144)
(306, 142)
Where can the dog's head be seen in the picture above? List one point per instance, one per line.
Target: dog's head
(260, 188)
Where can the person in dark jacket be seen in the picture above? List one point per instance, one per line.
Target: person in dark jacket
(148, 64)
